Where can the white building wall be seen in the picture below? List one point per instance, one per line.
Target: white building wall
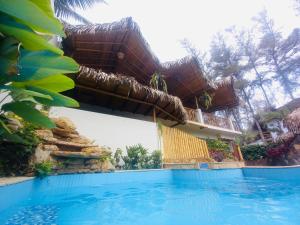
(109, 130)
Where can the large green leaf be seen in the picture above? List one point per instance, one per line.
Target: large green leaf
(58, 99)
(39, 64)
(29, 39)
(8, 59)
(23, 92)
(55, 83)
(28, 113)
(36, 14)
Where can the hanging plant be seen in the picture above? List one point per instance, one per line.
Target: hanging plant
(158, 82)
(206, 99)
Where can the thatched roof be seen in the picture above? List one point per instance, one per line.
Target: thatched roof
(119, 47)
(292, 105)
(124, 93)
(292, 121)
(224, 95)
(186, 80)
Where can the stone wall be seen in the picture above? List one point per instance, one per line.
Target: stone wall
(69, 151)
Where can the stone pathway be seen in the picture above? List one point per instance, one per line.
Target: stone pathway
(13, 180)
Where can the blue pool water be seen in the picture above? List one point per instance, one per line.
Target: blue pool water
(164, 197)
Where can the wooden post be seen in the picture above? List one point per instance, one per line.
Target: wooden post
(196, 101)
(239, 151)
(154, 115)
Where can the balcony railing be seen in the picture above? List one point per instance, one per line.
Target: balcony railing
(211, 119)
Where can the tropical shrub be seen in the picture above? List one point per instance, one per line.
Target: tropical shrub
(31, 67)
(118, 157)
(137, 157)
(218, 149)
(254, 152)
(14, 156)
(155, 160)
(43, 169)
(158, 82)
(217, 144)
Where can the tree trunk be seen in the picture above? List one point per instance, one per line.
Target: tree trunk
(253, 115)
(261, 83)
(237, 121)
(265, 94)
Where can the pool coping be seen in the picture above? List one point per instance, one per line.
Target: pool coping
(4, 181)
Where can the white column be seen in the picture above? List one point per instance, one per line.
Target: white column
(199, 116)
(230, 123)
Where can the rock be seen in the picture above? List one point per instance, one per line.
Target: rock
(72, 144)
(107, 166)
(80, 155)
(64, 123)
(41, 155)
(92, 150)
(81, 140)
(66, 133)
(50, 147)
(44, 134)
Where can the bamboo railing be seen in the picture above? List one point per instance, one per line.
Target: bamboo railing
(181, 147)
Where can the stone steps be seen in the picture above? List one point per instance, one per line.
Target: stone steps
(78, 155)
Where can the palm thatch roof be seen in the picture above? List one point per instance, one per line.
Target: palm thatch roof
(119, 47)
(292, 121)
(124, 93)
(223, 96)
(186, 80)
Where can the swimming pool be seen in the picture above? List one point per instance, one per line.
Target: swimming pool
(163, 197)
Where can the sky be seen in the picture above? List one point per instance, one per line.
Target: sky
(165, 23)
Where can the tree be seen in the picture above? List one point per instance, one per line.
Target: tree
(201, 57)
(155, 160)
(136, 158)
(245, 40)
(66, 8)
(228, 61)
(281, 55)
(31, 67)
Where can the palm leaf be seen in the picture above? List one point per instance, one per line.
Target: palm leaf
(65, 8)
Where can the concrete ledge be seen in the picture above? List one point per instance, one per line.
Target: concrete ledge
(226, 165)
(181, 166)
(211, 165)
(13, 180)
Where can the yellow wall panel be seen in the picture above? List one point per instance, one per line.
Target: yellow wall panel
(181, 147)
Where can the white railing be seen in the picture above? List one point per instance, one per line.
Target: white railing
(211, 119)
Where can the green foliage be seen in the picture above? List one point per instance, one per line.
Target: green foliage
(118, 156)
(218, 149)
(157, 82)
(15, 156)
(155, 160)
(206, 99)
(43, 169)
(274, 115)
(66, 8)
(138, 158)
(254, 152)
(31, 67)
(217, 144)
